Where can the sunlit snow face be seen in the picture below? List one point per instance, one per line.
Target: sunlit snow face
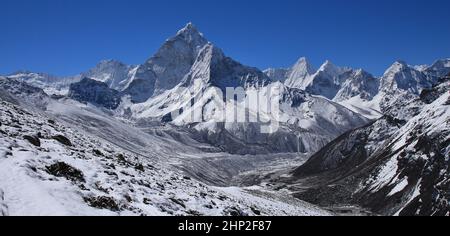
(240, 105)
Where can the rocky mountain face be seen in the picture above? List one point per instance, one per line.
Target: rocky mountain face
(49, 83)
(401, 76)
(394, 166)
(113, 73)
(335, 83)
(95, 92)
(168, 66)
(213, 68)
(19, 92)
(439, 69)
(357, 83)
(278, 74)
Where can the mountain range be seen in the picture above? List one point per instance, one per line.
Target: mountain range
(347, 141)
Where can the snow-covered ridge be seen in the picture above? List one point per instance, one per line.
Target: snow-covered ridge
(114, 73)
(357, 89)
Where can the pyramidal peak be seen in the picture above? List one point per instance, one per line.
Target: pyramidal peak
(327, 64)
(302, 60)
(396, 67)
(190, 31)
(304, 64)
(400, 63)
(329, 67)
(191, 36)
(301, 69)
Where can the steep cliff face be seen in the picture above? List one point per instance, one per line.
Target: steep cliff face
(168, 67)
(114, 73)
(95, 92)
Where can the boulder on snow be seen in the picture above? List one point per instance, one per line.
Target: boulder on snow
(63, 140)
(102, 202)
(61, 169)
(33, 140)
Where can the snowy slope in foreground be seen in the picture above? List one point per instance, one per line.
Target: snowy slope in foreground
(60, 171)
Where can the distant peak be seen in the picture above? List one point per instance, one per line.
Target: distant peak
(191, 35)
(110, 61)
(190, 25)
(329, 68)
(398, 66)
(421, 67)
(359, 71)
(189, 29)
(328, 65)
(22, 72)
(302, 60)
(400, 63)
(302, 66)
(362, 72)
(442, 62)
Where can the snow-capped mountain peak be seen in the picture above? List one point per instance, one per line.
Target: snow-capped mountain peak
(189, 29)
(191, 35)
(442, 63)
(400, 76)
(111, 72)
(168, 67)
(439, 68)
(329, 68)
(214, 68)
(421, 68)
(301, 69)
(300, 74)
(396, 67)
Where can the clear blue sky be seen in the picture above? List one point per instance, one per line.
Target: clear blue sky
(65, 37)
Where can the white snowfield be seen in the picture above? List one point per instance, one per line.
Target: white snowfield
(91, 176)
